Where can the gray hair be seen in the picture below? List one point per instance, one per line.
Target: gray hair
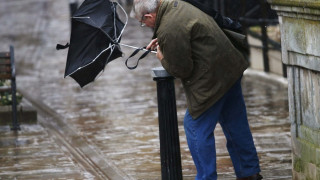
(141, 7)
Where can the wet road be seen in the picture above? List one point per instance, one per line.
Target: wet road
(109, 129)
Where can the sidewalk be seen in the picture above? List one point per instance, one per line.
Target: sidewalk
(109, 129)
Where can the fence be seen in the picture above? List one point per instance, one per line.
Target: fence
(252, 13)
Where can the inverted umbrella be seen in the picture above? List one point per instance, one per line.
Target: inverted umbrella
(95, 33)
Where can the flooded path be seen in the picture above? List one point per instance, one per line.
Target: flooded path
(111, 126)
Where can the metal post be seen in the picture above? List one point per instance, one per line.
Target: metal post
(263, 25)
(73, 4)
(216, 5)
(284, 70)
(168, 125)
(265, 48)
(222, 8)
(15, 123)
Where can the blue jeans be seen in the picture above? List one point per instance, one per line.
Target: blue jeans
(230, 112)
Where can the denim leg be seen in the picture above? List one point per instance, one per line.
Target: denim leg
(201, 142)
(235, 126)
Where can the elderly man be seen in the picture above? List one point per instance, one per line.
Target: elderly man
(192, 47)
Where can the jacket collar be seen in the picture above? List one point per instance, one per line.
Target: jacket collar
(161, 10)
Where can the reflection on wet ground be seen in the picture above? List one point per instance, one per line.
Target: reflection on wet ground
(117, 114)
(33, 154)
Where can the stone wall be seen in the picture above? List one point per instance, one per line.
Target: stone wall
(300, 41)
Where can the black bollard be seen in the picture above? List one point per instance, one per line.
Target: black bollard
(168, 126)
(265, 49)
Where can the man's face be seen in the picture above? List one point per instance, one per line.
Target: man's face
(148, 20)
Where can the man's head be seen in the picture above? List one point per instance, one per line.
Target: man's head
(145, 11)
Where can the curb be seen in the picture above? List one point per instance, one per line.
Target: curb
(267, 76)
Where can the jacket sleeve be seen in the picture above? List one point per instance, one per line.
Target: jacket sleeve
(176, 49)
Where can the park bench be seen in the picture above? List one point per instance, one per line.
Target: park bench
(7, 72)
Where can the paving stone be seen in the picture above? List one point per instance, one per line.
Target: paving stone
(116, 116)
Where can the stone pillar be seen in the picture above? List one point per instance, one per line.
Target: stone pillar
(300, 40)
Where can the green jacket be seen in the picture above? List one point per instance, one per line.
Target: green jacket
(197, 51)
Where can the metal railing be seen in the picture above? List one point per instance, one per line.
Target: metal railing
(253, 13)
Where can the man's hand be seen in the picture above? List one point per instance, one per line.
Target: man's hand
(159, 53)
(153, 45)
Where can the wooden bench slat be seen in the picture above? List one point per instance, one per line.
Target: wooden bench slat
(5, 73)
(5, 89)
(5, 54)
(4, 61)
(5, 69)
(5, 76)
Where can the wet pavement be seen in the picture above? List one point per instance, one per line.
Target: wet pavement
(109, 129)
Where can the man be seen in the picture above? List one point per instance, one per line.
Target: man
(192, 47)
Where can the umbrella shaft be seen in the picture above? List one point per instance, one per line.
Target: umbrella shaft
(136, 47)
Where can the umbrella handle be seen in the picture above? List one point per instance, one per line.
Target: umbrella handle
(141, 57)
(59, 46)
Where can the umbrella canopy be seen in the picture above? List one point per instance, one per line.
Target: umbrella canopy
(95, 33)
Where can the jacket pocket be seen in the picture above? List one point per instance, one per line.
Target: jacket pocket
(198, 73)
(201, 87)
(202, 92)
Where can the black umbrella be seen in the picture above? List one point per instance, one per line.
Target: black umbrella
(95, 33)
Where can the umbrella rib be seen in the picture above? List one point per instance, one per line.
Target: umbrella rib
(114, 22)
(125, 24)
(110, 46)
